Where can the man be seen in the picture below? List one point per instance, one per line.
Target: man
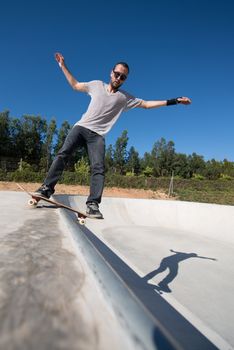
(108, 101)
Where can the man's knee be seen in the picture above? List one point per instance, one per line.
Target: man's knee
(98, 168)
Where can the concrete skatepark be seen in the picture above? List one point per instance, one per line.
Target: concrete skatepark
(152, 275)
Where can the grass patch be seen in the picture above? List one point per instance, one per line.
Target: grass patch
(208, 191)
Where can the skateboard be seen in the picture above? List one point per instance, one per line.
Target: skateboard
(35, 198)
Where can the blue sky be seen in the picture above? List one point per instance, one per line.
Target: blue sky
(174, 48)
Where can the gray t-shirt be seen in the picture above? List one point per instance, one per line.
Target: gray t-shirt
(105, 107)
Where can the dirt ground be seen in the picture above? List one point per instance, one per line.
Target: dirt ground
(84, 190)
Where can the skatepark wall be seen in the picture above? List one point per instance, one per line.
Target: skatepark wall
(148, 332)
(209, 220)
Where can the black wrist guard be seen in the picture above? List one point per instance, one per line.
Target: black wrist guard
(173, 101)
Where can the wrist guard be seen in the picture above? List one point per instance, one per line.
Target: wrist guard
(173, 101)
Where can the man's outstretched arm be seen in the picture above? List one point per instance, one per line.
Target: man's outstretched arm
(156, 104)
(76, 85)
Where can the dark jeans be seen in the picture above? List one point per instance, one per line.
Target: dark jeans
(95, 145)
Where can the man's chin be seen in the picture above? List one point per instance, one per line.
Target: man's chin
(115, 85)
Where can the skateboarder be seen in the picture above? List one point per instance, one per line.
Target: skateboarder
(108, 101)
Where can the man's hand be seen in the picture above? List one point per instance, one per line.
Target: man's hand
(184, 100)
(60, 59)
(76, 85)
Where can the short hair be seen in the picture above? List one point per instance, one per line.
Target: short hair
(122, 64)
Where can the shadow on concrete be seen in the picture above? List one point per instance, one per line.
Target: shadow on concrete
(171, 263)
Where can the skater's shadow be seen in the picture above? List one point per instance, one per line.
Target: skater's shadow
(172, 264)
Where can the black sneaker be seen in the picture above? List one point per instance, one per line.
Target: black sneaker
(44, 191)
(93, 210)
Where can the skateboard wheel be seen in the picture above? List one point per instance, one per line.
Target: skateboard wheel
(32, 203)
(81, 221)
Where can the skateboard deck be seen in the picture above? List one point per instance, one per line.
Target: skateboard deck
(35, 198)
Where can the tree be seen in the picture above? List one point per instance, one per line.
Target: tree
(197, 164)
(29, 134)
(228, 168)
(120, 152)
(147, 162)
(62, 134)
(82, 169)
(5, 134)
(109, 158)
(163, 155)
(133, 161)
(213, 169)
(181, 165)
(48, 145)
(31, 139)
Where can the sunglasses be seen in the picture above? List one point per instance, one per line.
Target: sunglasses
(119, 75)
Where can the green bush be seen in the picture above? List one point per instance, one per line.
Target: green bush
(3, 175)
(198, 177)
(225, 177)
(130, 174)
(74, 178)
(22, 166)
(148, 171)
(142, 182)
(26, 175)
(82, 167)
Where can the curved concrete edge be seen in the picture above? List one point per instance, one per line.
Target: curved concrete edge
(124, 293)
